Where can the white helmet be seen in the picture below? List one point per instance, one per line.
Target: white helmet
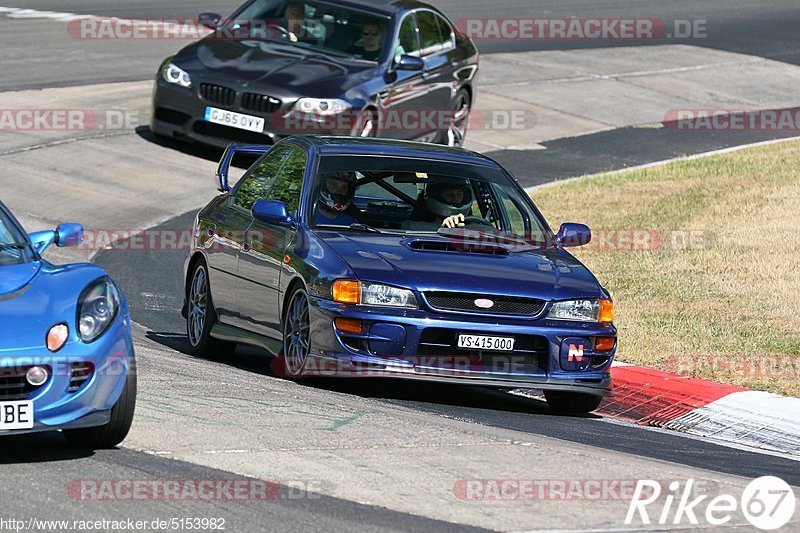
(436, 203)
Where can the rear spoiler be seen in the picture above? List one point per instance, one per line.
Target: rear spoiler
(227, 157)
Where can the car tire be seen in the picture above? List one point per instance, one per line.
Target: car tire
(296, 334)
(572, 402)
(456, 133)
(115, 431)
(201, 317)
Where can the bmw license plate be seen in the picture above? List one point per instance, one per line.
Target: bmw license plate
(234, 120)
(16, 415)
(485, 342)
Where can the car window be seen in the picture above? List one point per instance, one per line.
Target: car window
(446, 32)
(415, 198)
(408, 41)
(372, 189)
(289, 180)
(515, 220)
(323, 27)
(257, 183)
(9, 235)
(429, 37)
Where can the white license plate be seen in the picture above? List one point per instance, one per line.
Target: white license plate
(16, 415)
(234, 120)
(485, 342)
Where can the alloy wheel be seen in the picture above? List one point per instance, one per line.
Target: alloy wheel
(296, 335)
(457, 131)
(198, 305)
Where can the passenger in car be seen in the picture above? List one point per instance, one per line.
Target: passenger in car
(370, 49)
(335, 205)
(445, 203)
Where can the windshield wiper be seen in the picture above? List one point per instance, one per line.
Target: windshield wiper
(357, 226)
(364, 227)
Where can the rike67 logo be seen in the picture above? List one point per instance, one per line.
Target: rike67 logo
(767, 502)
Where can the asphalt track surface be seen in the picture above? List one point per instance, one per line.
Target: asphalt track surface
(30, 466)
(26, 487)
(47, 57)
(760, 28)
(508, 411)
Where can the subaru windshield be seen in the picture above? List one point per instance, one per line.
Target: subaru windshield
(455, 201)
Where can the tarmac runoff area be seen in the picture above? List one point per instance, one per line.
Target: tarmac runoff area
(120, 178)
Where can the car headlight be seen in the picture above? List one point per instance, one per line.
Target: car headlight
(174, 74)
(97, 308)
(322, 106)
(366, 293)
(583, 310)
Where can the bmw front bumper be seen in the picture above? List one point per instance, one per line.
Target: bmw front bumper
(179, 113)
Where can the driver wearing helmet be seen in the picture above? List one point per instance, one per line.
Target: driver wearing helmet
(335, 205)
(446, 203)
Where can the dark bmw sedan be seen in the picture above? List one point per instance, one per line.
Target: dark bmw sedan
(370, 68)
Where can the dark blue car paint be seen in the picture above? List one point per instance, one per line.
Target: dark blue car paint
(314, 258)
(289, 73)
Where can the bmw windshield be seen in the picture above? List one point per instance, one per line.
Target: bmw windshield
(328, 29)
(401, 196)
(14, 246)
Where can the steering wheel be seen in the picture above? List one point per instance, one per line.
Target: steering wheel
(477, 221)
(283, 31)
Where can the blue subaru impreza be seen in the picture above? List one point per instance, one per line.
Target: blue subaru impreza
(360, 257)
(66, 355)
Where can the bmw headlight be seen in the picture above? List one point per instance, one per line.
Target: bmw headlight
(582, 310)
(366, 293)
(97, 308)
(321, 106)
(174, 74)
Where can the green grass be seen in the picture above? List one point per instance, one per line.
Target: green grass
(733, 297)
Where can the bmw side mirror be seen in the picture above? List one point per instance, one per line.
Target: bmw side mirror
(272, 212)
(209, 20)
(571, 234)
(407, 62)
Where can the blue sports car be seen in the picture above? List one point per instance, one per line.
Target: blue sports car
(66, 356)
(364, 257)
